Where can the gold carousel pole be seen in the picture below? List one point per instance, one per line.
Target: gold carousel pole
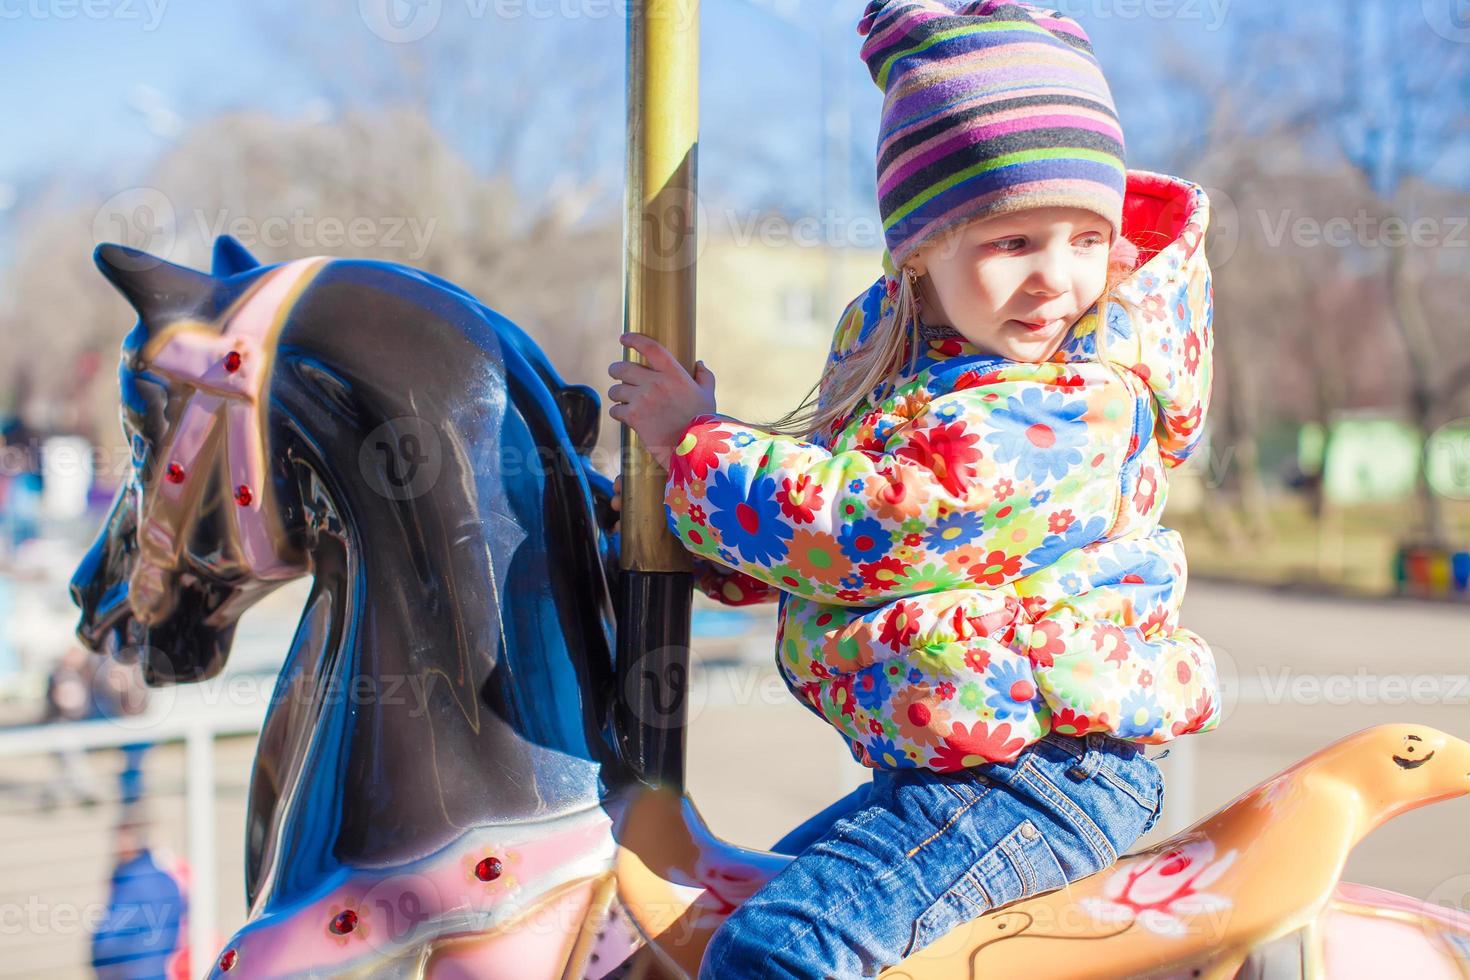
(659, 239)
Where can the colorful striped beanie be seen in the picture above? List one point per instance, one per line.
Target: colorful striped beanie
(989, 107)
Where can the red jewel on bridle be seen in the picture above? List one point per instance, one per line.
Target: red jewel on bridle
(345, 922)
(243, 495)
(232, 361)
(488, 869)
(174, 474)
(228, 960)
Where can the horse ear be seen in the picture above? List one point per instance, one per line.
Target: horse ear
(231, 258)
(155, 288)
(581, 412)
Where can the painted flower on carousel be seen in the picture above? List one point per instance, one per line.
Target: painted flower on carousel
(726, 885)
(489, 871)
(1162, 891)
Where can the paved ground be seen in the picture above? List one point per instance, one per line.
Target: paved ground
(760, 763)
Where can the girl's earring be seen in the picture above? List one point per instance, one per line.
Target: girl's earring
(913, 278)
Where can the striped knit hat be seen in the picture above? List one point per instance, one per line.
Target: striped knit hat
(989, 107)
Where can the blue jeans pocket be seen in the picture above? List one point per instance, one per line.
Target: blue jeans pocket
(1138, 776)
(1109, 789)
(1020, 865)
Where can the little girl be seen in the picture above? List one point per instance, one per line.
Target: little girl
(963, 535)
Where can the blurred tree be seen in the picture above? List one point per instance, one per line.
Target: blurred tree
(383, 185)
(1235, 144)
(1405, 110)
(1303, 311)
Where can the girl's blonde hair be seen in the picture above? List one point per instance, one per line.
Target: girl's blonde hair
(844, 384)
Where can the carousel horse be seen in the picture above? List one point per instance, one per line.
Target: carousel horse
(435, 766)
(439, 788)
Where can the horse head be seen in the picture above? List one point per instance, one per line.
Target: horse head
(198, 531)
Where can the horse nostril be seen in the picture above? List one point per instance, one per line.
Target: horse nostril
(76, 594)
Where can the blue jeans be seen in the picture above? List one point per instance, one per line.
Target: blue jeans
(895, 865)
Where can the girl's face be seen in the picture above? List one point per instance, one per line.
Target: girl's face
(1014, 284)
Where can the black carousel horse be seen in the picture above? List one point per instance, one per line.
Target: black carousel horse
(440, 742)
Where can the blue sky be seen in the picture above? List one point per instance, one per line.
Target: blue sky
(69, 80)
(90, 84)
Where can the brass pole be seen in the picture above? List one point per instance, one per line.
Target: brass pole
(659, 252)
(660, 234)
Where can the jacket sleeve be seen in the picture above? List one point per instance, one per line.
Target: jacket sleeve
(915, 506)
(1112, 657)
(1163, 332)
(730, 586)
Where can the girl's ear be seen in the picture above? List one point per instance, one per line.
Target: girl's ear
(1123, 254)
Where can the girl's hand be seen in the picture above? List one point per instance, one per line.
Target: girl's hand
(658, 400)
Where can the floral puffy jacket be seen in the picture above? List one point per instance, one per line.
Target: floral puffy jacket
(973, 556)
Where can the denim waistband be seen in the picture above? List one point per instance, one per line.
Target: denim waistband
(1078, 745)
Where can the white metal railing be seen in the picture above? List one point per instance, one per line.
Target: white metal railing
(197, 730)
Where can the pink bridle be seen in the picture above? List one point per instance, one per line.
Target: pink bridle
(225, 374)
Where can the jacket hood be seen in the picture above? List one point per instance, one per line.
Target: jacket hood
(1162, 330)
